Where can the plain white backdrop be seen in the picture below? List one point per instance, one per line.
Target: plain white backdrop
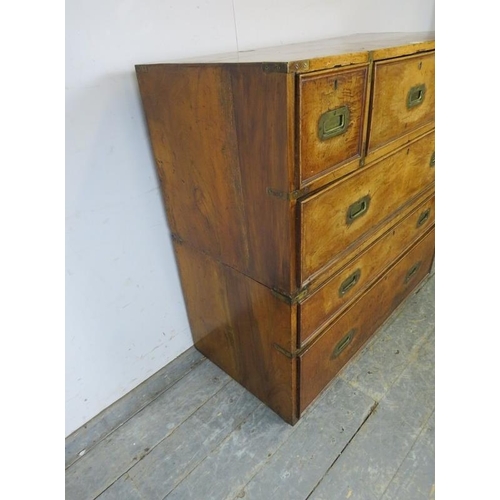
(125, 316)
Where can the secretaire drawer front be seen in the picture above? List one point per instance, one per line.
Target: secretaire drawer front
(320, 308)
(403, 97)
(322, 361)
(331, 110)
(336, 219)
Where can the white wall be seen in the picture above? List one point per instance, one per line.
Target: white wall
(125, 317)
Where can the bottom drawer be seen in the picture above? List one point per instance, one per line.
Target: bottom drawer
(326, 356)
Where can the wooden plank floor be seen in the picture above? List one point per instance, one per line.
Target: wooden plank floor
(190, 432)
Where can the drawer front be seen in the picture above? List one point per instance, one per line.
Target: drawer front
(403, 98)
(331, 110)
(323, 360)
(337, 218)
(320, 308)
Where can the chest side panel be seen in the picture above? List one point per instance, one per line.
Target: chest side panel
(220, 137)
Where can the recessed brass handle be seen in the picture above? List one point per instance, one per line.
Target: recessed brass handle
(424, 217)
(432, 163)
(333, 123)
(412, 271)
(415, 96)
(358, 208)
(343, 343)
(348, 283)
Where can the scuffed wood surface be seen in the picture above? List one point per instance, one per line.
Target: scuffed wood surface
(131, 442)
(415, 478)
(366, 468)
(174, 458)
(87, 436)
(326, 53)
(294, 470)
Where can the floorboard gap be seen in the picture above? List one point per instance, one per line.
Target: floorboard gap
(370, 413)
(87, 449)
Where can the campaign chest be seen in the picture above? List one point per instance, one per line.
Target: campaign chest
(298, 183)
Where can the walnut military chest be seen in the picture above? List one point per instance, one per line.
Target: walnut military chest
(299, 188)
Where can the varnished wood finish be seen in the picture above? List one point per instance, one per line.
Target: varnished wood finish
(343, 259)
(333, 52)
(390, 183)
(373, 156)
(318, 364)
(263, 117)
(257, 204)
(221, 138)
(322, 92)
(236, 323)
(321, 307)
(391, 118)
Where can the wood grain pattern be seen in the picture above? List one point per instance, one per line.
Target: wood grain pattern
(339, 51)
(264, 110)
(319, 364)
(322, 92)
(390, 183)
(320, 308)
(258, 200)
(375, 155)
(236, 322)
(391, 118)
(221, 138)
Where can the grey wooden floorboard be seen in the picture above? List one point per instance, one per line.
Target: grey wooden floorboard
(112, 457)
(175, 457)
(293, 471)
(122, 489)
(228, 468)
(370, 461)
(79, 442)
(415, 478)
(382, 360)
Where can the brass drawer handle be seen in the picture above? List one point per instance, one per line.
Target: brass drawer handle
(349, 282)
(343, 343)
(415, 96)
(333, 123)
(424, 217)
(412, 271)
(432, 163)
(358, 208)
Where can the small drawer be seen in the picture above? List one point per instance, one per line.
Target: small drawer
(320, 308)
(331, 111)
(336, 219)
(323, 360)
(402, 98)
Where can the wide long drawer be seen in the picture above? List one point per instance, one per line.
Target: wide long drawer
(323, 360)
(320, 308)
(336, 219)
